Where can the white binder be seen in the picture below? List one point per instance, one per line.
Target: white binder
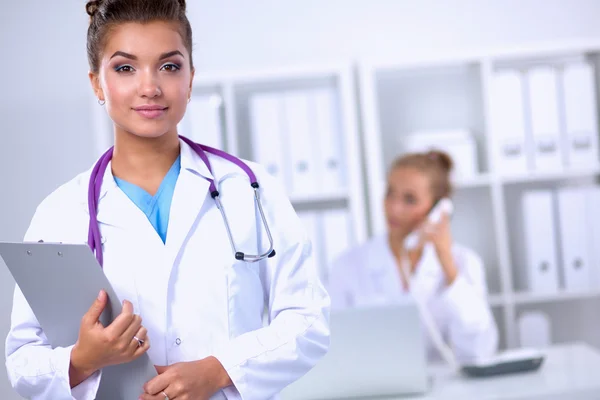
(337, 233)
(541, 269)
(204, 113)
(312, 225)
(328, 132)
(300, 135)
(593, 233)
(267, 132)
(508, 121)
(581, 129)
(576, 262)
(544, 114)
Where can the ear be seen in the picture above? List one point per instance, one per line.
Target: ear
(96, 87)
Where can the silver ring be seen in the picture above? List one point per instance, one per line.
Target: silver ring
(166, 397)
(140, 341)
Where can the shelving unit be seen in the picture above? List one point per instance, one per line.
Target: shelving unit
(453, 91)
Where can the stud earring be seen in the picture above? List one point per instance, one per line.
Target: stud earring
(101, 102)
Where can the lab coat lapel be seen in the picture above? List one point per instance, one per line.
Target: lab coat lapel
(384, 274)
(115, 208)
(189, 198)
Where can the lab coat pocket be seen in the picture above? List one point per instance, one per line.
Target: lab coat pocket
(245, 297)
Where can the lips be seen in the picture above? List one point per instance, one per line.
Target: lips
(151, 111)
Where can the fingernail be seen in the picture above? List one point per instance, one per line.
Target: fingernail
(99, 295)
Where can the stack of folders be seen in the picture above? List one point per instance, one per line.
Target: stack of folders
(297, 136)
(561, 238)
(330, 233)
(203, 122)
(544, 118)
(459, 144)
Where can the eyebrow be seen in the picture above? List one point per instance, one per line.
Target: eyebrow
(169, 54)
(132, 57)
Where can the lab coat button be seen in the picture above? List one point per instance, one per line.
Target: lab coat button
(177, 341)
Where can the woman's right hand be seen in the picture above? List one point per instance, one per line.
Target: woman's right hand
(98, 346)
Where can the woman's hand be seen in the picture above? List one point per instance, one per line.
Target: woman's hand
(98, 347)
(197, 380)
(440, 236)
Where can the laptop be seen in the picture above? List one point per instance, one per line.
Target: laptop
(374, 351)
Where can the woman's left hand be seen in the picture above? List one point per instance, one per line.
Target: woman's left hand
(440, 236)
(196, 380)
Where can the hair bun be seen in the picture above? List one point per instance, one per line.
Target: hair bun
(92, 7)
(441, 157)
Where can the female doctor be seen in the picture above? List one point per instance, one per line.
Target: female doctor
(446, 277)
(152, 218)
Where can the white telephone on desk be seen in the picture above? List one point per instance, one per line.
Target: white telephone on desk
(443, 206)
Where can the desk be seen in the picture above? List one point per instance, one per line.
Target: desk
(570, 371)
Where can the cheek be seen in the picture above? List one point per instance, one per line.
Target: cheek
(177, 93)
(118, 91)
(418, 215)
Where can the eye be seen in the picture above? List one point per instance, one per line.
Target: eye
(410, 199)
(170, 67)
(124, 68)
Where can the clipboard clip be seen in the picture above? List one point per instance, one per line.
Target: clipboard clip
(42, 241)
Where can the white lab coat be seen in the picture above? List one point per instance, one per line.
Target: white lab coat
(367, 275)
(195, 299)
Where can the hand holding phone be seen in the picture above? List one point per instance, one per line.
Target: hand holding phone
(443, 206)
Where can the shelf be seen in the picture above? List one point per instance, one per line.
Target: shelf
(496, 300)
(528, 177)
(481, 180)
(332, 197)
(531, 298)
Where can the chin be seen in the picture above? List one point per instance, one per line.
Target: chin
(150, 131)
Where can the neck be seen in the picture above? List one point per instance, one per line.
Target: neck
(396, 242)
(144, 161)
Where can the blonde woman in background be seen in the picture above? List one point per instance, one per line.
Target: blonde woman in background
(445, 276)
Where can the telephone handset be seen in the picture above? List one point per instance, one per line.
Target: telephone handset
(443, 206)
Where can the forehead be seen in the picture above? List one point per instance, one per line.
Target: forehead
(409, 178)
(144, 40)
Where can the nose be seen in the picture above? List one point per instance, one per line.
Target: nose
(149, 85)
(397, 207)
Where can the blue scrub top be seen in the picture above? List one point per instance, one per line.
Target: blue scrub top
(157, 208)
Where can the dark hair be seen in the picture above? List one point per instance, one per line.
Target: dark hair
(105, 14)
(436, 164)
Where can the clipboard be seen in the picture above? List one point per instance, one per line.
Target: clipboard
(60, 282)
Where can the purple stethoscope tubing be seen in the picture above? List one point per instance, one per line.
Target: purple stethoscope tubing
(95, 239)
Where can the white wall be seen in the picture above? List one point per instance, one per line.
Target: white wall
(45, 103)
(262, 33)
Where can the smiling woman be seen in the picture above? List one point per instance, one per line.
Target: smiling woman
(164, 244)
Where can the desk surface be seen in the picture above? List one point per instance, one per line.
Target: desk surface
(570, 371)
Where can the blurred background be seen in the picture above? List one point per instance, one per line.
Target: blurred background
(508, 88)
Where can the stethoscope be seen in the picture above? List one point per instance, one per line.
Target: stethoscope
(95, 240)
